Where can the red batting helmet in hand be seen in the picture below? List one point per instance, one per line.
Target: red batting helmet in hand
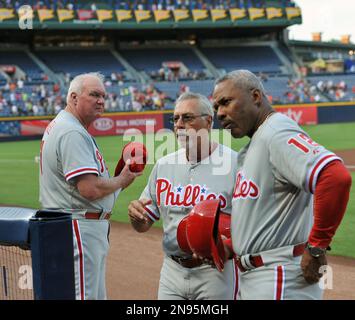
(202, 234)
(137, 153)
(181, 236)
(224, 227)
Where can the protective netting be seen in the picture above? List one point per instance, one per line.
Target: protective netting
(15, 273)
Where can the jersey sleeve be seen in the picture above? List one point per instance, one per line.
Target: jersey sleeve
(299, 159)
(149, 192)
(77, 155)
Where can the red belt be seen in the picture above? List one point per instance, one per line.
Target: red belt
(257, 261)
(187, 262)
(97, 215)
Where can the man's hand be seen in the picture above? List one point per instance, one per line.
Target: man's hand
(136, 210)
(311, 267)
(126, 177)
(228, 253)
(228, 248)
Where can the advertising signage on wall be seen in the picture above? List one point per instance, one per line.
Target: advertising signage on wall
(110, 125)
(145, 122)
(126, 123)
(33, 127)
(302, 115)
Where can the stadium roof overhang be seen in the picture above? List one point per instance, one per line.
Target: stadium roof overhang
(137, 34)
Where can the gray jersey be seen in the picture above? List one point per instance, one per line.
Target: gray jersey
(175, 186)
(276, 176)
(67, 151)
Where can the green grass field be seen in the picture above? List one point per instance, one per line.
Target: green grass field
(19, 175)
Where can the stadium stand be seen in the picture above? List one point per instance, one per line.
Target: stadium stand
(76, 61)
(149, 75)
(254, 58)
(152, 59)
(3, 80)
(144, 5)
(336, 87)
(21, 60)
(151, 62)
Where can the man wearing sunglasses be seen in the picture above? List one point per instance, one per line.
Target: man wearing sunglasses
(201, 169)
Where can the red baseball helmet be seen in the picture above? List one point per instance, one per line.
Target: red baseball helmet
(224, 227)
(137, 153)
(203, 234)
(181, 236)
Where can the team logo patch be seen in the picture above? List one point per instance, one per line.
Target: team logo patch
(245, 188)
(184, 196)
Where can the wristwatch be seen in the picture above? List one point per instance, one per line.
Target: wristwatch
(316, 252)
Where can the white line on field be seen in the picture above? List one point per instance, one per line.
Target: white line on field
(16, 160)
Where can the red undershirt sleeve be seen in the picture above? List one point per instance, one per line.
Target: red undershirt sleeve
(330, 200)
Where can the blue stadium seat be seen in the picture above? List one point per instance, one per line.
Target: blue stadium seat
(22, 60)
(152, 59)
(172, 89)
(254, 58)
(81, 61)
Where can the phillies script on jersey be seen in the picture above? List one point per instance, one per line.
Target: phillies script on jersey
(184, 196)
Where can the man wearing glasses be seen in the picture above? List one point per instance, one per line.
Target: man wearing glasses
(201, 169)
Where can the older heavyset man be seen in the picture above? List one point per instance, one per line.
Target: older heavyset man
(74, 177)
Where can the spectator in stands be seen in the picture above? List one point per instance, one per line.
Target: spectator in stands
(136, 106)
(14, 110)
(6, 87)
(67, 79)
(56, 88)
(108, 83)
(113, 77)
(93, 7)
(20, 83)
(183, 88)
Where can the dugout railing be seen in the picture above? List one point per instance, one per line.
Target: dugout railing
(36, 255)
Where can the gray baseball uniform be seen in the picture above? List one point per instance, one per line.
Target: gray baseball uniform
(67, 151)
(273, 209)
(175, 186)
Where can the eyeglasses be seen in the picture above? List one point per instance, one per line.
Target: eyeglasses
(186, 118)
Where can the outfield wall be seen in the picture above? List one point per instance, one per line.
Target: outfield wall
(23, 128)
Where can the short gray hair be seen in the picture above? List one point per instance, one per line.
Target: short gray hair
(76, 85)
(243, 79)
(204, 104)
